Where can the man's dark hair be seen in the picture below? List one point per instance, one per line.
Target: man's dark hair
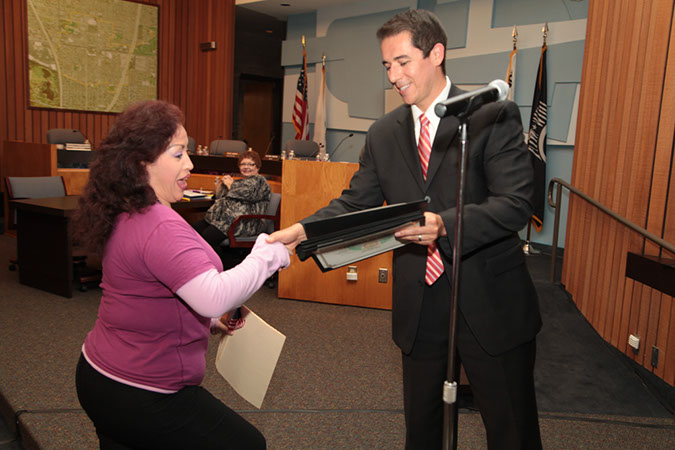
(424, 27)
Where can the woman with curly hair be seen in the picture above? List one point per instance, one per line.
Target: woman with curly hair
(163, 291)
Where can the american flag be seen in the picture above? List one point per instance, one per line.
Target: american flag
(300, 113)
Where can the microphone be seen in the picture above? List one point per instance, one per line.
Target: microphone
(267, 149)
(468, 102)
(316, 152)
(339, 144)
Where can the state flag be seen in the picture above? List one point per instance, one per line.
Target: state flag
(536, 142)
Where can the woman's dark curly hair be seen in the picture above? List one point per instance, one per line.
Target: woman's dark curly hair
(118, 179)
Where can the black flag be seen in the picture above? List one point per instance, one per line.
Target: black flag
(536, 142)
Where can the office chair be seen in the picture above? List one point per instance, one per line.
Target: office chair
(192, 145)
(31, 187)
(42, 187)
(302, 148)
(65, 136)
(242, 244)
(222, 146)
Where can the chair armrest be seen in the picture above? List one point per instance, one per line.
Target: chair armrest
(234, 243)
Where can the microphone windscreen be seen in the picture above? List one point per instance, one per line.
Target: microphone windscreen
(501, 86)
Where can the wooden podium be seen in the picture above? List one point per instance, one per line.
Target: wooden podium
(307, 186)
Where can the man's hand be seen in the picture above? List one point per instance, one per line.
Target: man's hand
(423, 235)
(290, 236)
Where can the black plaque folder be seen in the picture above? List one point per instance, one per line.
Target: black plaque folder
(337, 241)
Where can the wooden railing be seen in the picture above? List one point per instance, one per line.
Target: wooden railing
(556, 205)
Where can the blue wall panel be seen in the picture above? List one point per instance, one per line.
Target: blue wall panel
(506, 13)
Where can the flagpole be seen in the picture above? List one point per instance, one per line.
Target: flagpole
(320, 114)
(511, 71)
(527, 247)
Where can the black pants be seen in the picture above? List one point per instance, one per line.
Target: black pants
(230, 257)
(502, 385)
(211, 234)
(127, 417)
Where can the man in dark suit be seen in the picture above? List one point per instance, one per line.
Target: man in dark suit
(410, 153)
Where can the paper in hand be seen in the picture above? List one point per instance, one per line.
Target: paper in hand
(247, 358)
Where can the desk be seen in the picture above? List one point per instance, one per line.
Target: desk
(45, 244)
(24, 159)
(192, 210)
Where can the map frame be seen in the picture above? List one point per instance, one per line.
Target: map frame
(129, 87)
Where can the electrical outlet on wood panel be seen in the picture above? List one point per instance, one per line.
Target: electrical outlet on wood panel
(634, 342)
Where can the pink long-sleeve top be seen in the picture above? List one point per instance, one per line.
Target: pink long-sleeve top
(162, 285)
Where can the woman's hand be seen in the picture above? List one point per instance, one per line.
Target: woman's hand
(290, 236)
(226, 324)
(227, 181)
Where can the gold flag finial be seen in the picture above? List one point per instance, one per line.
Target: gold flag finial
(303, 41)
(323, 59)
(544, 31)
(514, 34)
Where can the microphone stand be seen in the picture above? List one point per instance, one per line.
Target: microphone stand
(450, 385)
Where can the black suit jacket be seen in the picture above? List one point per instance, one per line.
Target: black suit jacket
(497, 296)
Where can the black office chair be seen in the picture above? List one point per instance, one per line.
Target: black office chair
(240, 246)
(222, 146)
(42, 187)
(302, 148)
(192, 145)
(65, 136)
(31, 187)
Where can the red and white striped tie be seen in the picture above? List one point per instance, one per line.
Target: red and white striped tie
(434, 262)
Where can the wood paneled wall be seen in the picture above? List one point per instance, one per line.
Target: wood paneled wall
(624, 159)
(200, 83)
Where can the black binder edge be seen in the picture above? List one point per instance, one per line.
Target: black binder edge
(402, 213)
(316, 255)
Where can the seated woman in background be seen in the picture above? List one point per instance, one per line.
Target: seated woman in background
(163, 290)
(233, 198)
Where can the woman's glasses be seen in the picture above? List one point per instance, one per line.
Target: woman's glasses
(247, 165)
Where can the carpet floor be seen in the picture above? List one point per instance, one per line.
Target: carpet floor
(337, 384)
